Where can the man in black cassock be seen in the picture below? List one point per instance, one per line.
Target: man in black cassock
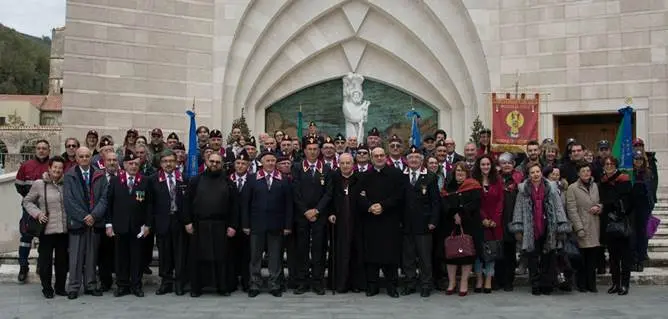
(381, 205)
(347, 246)
(420, 219)
(128, 222)
(211, 218)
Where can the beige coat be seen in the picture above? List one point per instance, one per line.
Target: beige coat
(579, 200)
(34, 204)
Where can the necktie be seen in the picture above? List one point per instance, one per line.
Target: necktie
(413, 178)
(86, 180)
(131, 183)
(329, 165)
(268, 181)
(312, 170)
(172, 193)
(239, 183)
(397, 164)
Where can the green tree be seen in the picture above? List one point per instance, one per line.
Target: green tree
(475, 130)
(24, 63)
(241, 124)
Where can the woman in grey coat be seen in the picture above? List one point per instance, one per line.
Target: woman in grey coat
(539, 224)
(44, 203)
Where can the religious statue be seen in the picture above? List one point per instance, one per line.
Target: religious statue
(355, 108)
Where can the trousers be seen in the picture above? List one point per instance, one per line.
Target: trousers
(311, 243)
(620, 260)
(83, 248)
(416, 254)
(586, 273)
(48, 244)
(274, 243)
(542, 270)
(172, 252)
(129, 260)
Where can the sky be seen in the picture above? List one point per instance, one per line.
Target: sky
(33, 17)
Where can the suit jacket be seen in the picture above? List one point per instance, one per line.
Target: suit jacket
(422, 202)
(311, 191)
(127, 210)
(159, 202)
(77, 198)
(265, 209)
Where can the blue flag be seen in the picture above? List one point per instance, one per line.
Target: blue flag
(416, 138)
(623, 147)
(192, 168)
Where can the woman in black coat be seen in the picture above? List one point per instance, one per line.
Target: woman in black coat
(615, 194)
(461, 204)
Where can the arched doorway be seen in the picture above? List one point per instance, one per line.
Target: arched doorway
(322, 104)
(3, 154)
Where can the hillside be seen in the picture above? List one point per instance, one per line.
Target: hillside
(24, 63)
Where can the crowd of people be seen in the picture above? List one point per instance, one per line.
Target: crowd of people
(332, 205)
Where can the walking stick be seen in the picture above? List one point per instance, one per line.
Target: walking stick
(332, 256)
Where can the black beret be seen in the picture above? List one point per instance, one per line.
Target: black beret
(173, 135)
(129, 156)
(242, 156)
(216, 134)
(339, 137)
(414, 150)
(179, 146)
(395, 138)
(251, 141)
(374, 132)
(105, 142)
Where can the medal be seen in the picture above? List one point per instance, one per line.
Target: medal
(345, 190)
(139, 196)
(322, 181)
(424, 190)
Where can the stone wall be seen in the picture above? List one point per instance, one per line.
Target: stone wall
(15, 138)
(11, 213)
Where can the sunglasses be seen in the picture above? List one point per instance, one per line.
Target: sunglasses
(362, 153)
(71, 146)
(395, 145)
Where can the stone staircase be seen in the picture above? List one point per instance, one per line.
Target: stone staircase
(658, 246)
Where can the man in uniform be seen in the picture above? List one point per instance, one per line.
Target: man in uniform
(604, 152)
(180, 153)
(85, 205)
(428, 145)
(267, 217)
(286, 146)
(240, 244)
(420, 219)
(381, 201)
(329, 154)
(106, 251)
(251, 148)
(29, 172)
(216, 142)
(157, 145)
(362, 163)
(346, 248)
(373, 139)
(165, 205)
(172, 139)
(311, 179)
(106, 147)
(127, 220)
(211, 218)
(396, 159)
(339, 145)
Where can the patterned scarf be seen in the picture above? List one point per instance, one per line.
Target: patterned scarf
(537, 196)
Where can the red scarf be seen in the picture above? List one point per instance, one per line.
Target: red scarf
(537, 196)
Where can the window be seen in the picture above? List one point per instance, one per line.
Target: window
(3, 120)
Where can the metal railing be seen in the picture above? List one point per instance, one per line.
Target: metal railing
(11, 162)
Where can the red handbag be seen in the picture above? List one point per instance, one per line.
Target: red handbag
(458, 246)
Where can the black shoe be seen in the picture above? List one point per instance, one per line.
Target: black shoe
(392, 292)
(355, 290)
(593, 289)
(487, 290)
(224, 293)
(508, 288)
(195, 294)
(252, 293)
(301, 289)
(319, 290)
(623, 291)
(565, 288)
(477, 290)
(600, 271)
(61, 293)
(613, 290)
(178, 290)
(535, 291)
(120, 292)
(148, 271)
(23, 274)
(425, 293)
(583, 290)
(546, 291)
(370, 292)
(93, 292)
(48, 294)
(163, 290)
(105, 287)
(641, 267)
(408, 291)
(138, 292)
(72, 295)
(279, 293)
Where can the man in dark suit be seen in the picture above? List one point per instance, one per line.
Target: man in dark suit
(451, 157)
(266, 217)
(105, 257)
(165, 202)
(240, 244)
(312, 193)
(420, 219)
(127, 220)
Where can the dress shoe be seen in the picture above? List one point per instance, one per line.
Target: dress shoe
(279, 293)
(178, 290)
(477, 290)
(252, 293)
(535, 291)
(582, 290)
(195, 294)
(148, 271)
(425, 292)
(593, 289)
(105, 287)
(508, 288)
(23, 274)
(121, 291)
(319, 290)
(301, 289)
(48, 294)
(93, 292)
(342, 291)
(463, 293)
(370, 292)
(450, 292)
(61, 293)
(356, 290)
(138, 292)
(546, 291)
(487, 290)
(223, 293)
(392, 292)
(613, 290)
(407, 291)
(72, 295)
(164, 289)
(623, 291)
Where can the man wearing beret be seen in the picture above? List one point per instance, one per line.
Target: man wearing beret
(329, 154)
(216, 142)
(127, 220)
(395, 148)
(251, 148)
(172, 139)
(180, 152)
(311, 184)
(106, 147)
(340, 144)
(362, 159)
(373, 139)
(239, 260)
(156, 146)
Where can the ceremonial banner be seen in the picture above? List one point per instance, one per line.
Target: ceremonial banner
(514, 120)
(623, 149)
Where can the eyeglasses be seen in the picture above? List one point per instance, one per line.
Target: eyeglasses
(340, 143)
(395, 145)
(42, 148)
(71, 146)
(362, 153)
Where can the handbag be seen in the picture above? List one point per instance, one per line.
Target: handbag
(618, 223)
(652, 226)
(571, 247)
(32, 226)
(492, 250)
(459, 246)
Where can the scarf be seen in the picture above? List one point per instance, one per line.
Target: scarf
(537, 196)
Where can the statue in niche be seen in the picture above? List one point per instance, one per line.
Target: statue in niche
(355, 108)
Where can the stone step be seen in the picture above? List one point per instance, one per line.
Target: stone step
(658, 245)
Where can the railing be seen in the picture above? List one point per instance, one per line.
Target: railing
(11, 162)
(10, 213)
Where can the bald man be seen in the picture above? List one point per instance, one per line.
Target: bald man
(85, 221)
(451, 157)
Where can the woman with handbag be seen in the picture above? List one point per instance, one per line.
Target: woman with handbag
(491, 213)
(643, 201)
(44, 203)
(539, 224)
(615, 192)
(461, 204)
(584, 207)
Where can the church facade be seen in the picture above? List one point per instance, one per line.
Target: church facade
(131, 63)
